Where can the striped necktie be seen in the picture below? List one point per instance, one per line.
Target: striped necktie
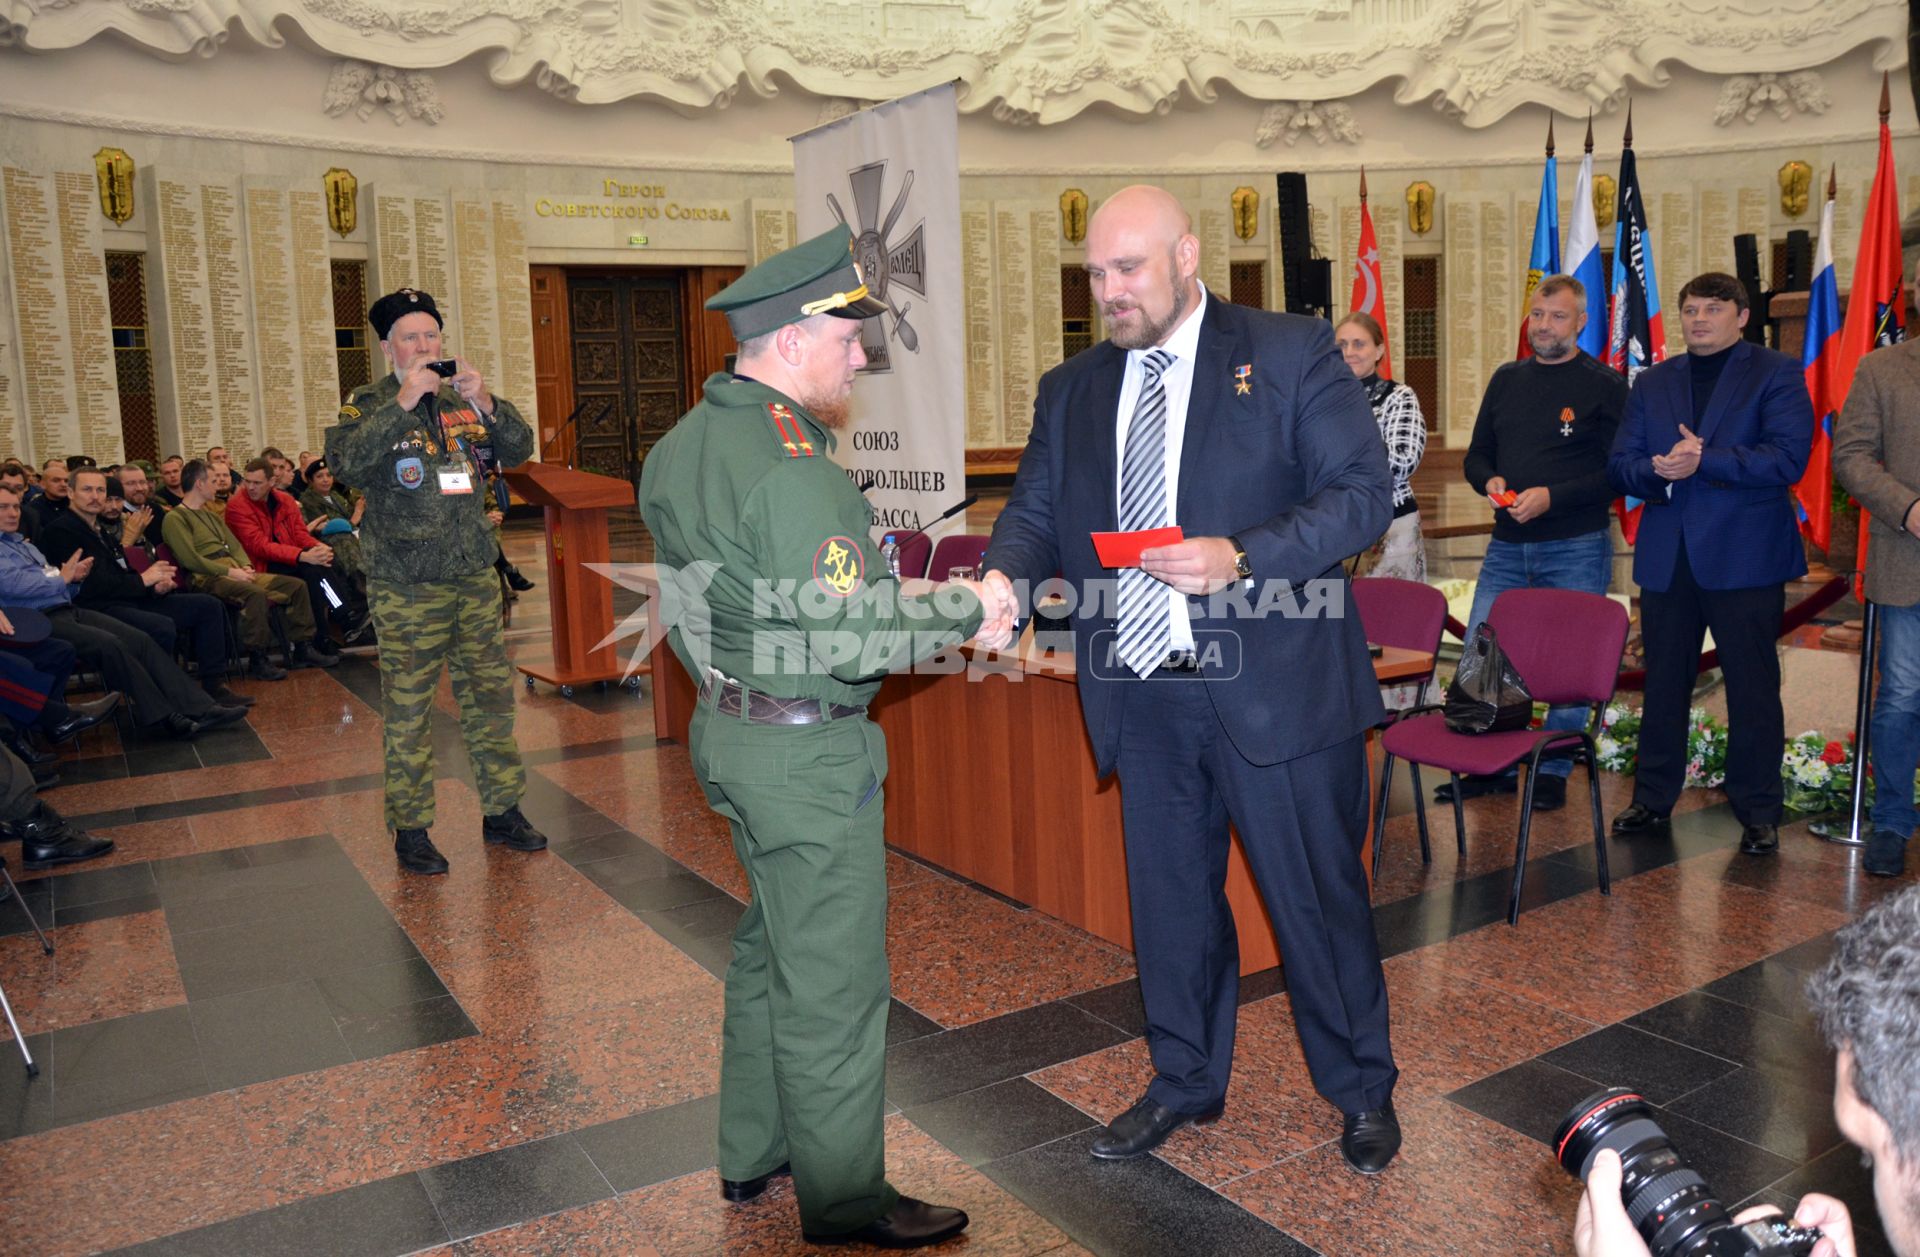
(1145, 627)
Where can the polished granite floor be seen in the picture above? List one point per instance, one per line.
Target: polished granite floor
(259, 1037)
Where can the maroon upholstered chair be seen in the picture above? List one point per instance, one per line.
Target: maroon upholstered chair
(1566, 647)
(914, 555)
(138, 561)
(1403, 613)
(960, 550)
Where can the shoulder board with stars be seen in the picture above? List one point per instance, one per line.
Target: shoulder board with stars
(787, 428)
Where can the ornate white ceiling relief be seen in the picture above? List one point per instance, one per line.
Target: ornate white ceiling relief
(1749, 95)
(361, 88)
(1039, 61)
(1290, 119)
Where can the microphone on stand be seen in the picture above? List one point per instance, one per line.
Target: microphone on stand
(900, 540)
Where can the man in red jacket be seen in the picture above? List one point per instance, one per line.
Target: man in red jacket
(268, 524)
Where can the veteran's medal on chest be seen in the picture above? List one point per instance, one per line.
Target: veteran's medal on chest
(1566, 421)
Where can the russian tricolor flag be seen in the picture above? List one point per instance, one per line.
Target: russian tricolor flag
(1583, 261)
(1820, 356)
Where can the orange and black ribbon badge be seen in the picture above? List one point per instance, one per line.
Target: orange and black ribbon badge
(1566, 421)
(786, 426)
(836, 567)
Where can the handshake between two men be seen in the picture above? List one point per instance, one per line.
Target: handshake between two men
(1196, 566)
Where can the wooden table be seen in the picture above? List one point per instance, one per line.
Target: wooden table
(991, 777)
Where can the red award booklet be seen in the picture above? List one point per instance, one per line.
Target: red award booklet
(1122, 549)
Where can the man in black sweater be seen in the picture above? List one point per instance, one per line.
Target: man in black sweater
(1539, 453)
(147, 600)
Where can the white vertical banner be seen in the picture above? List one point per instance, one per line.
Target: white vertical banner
(892, 175)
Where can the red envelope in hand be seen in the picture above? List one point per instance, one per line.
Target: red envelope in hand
(1122, 549)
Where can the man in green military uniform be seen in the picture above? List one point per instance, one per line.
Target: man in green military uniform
(406, 441)
(801, 621)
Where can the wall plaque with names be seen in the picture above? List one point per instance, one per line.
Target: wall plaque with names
(394, 261)
(1678, 260)
(180, 311)
(1044, 233)
(1013, 254)
(773, 228)
(1716, 230)
(983, 376)
(474, 319)
(1498, 291)
(515, 307)
(37, 309)
(1465, 372)
(230, 329)
(276, 333)
(1215, 230)
(313, 315)
(432, 243)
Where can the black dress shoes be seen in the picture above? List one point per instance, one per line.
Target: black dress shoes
(47, 840)
(1143, 1128)
(511, 829)
(1475, 787)
(1641, 821)
(520, 585)
(1371, 1139)
(83, 716)
(909, 1224)
(416, 852)
(740, 1190)
(1760, 840)
(218, 691)
(309, 655)
(215, 716)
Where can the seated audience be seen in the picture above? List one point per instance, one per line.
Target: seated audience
(33, 685)
(54, 480)
(269, 526)
(148, 600)
(144, 514)
(164, 699)
(221, 476)
(333, 512)
(206, 548)
(169, 491)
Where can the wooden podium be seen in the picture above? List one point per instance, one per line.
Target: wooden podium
(576, 504)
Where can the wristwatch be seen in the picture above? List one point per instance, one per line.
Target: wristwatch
(1242, 567)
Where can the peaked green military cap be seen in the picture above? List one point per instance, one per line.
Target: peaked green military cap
(817, 277)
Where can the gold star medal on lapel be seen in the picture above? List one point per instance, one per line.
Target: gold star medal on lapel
(1243, 379)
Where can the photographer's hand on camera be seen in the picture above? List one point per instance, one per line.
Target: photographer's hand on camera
(421, 380)
(472, 389)
(1601, 1228)
(1814, 1210)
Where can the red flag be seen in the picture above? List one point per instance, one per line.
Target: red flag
(1369, 290)
(1877, 306)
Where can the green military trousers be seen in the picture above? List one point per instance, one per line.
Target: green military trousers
(803, 1063)
(455, 622)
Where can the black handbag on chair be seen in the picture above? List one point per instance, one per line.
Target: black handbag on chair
(1487, 694)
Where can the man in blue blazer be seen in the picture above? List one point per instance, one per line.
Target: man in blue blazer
(1714, 441)
(1227, 678)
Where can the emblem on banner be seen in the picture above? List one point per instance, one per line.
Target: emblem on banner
(882, 262)
(343, 200)
(115, 171)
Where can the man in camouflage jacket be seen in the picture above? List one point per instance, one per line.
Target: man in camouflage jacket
(406, 441)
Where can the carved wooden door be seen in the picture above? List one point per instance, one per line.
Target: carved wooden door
(629, 365)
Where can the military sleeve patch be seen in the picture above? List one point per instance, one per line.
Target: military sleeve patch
(788, 429)
(410, 473)
(837, 567)
(349, 412)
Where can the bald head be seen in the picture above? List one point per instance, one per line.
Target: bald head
(1142, 261)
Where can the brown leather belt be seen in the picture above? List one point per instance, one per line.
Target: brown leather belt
(730, 698)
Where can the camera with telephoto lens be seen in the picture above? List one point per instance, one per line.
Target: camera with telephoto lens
(445, 368)
(1671, 1206)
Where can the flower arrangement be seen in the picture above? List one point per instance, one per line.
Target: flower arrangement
(1815, 770)
(1817, 773)
(1619, 744)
